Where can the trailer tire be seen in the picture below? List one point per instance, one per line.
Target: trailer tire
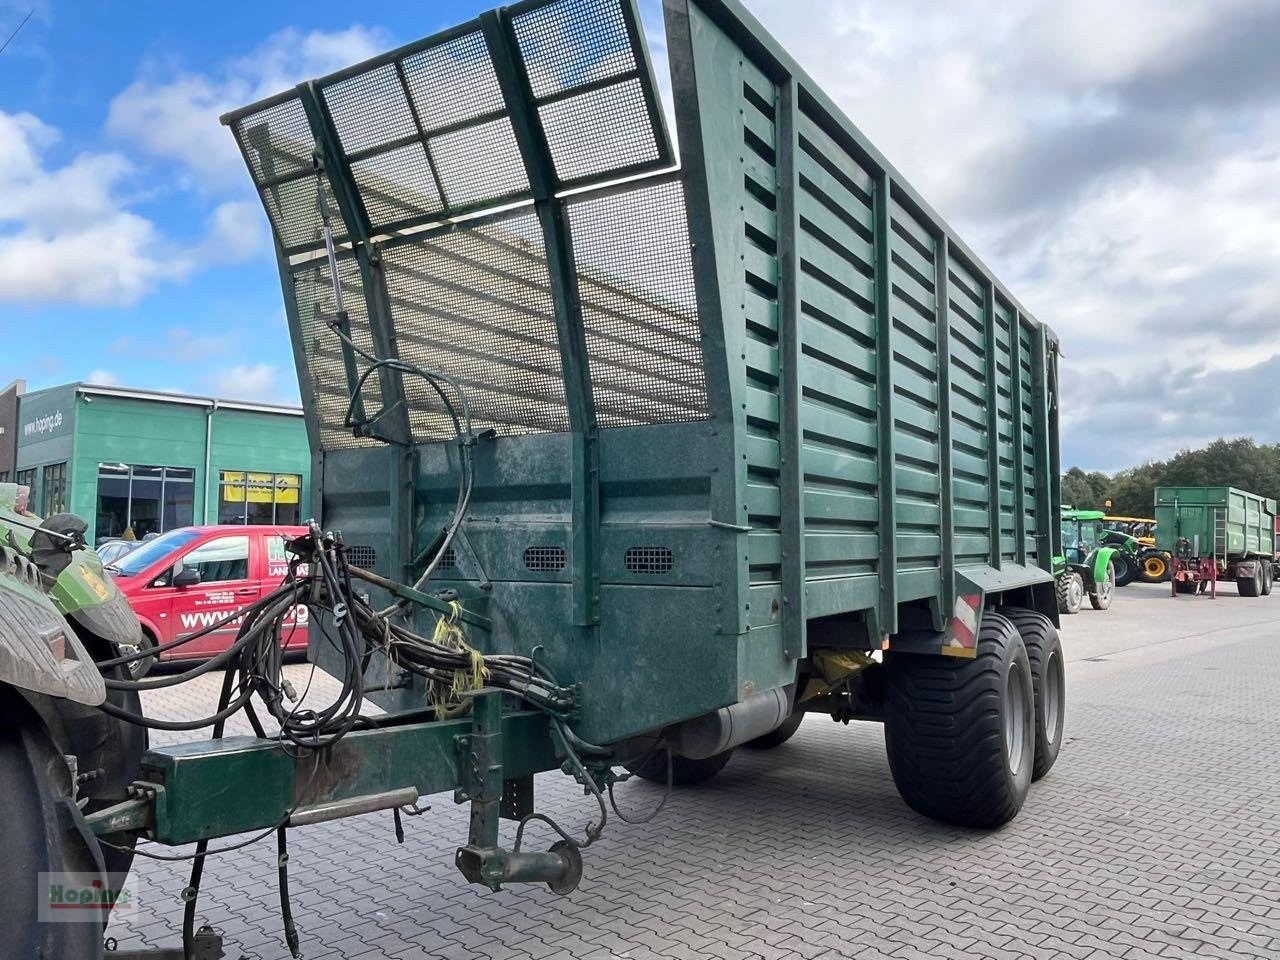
(41, 832)
(685, 771)
(1126, 569)
(1048, 679)
(1250, 586)
(1070, 592)
(959, 732)
(1267, 574)
(1103, 593)
(1185, 586)
(779, 735)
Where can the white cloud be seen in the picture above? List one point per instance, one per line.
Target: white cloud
(1115, 165)
(263, 382)
(102, 378)
(176, 118)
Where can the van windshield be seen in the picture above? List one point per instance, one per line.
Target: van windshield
(135, 561)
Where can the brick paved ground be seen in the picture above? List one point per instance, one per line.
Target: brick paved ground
(1154, 837)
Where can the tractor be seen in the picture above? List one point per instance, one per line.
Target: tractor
(1086, 565)
(1136, 537)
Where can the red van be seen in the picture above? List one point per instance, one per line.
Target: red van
(188, 578)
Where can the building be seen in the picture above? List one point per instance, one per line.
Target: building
(9, 426)
(133, 462)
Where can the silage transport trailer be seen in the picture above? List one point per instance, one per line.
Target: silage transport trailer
(686, 445)
(1217, 533)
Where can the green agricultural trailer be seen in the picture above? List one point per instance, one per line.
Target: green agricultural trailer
(1217, 533)
(624, 457)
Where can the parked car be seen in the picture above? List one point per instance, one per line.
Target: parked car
(109, 551)
(192, 577)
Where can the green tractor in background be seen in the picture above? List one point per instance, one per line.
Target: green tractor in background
(1087, 565)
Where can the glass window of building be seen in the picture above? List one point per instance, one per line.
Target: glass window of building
(26, 478)
(136, 500)
(270, 498)
(53, 490)
(220, 560)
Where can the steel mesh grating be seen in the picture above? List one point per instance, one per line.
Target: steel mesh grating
(294, 209)
(599, 131)
(453, 82)
(326, 366)
(476, 304)
(480, 164)
(396, 185)
(649, 559)
(571, 43)
(544, 559)
(639, 310)
(276, 140)
(358, 126)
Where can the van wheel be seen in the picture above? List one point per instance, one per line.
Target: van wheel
(778, 736)
(41, 832)
(960, 733)
(1048, 679)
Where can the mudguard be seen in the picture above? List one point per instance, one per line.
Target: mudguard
(1100, 561)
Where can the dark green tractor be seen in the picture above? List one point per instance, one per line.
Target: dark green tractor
(1086, 565)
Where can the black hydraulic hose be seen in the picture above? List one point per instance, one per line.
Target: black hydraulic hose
(286, 910)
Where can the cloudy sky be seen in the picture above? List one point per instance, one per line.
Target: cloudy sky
(1118, 165)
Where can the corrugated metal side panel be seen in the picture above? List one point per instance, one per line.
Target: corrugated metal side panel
(1026, 400)
(758, 204)
(1005, 318)
(917, 454)
(837, 372)
(969, 435)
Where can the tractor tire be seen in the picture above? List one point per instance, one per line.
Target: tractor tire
(1126, 569)
(1048, 679)
(960, 733)
(1250, 586)
(41, 832)
(1070, 592)
(1155, 567)
(1103, 593)
(685, 771)
(779, 736)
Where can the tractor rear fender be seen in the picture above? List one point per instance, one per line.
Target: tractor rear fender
(38, 650)
(1100, 562)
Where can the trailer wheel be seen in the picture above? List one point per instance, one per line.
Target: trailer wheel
(1250, 586)
(960, 733)
(1126, 569)
(38, 834)
(1185, 586)
(1048, 678)
(1101, 595)
(685, 771)
(1267, 575)
(778, 736)
(1070, 591)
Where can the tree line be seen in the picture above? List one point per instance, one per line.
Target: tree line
(1238, 463)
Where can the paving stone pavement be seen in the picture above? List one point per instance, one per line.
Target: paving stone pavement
(1155, 836)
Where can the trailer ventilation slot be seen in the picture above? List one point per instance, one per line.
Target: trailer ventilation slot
(544, 559)
(649, 560)
(448, 559)
(362, 556)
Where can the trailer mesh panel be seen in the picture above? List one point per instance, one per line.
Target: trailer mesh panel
(476, 304)
(323, 349)
(639, 311)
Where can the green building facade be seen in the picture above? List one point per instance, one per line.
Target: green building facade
(134, 462)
